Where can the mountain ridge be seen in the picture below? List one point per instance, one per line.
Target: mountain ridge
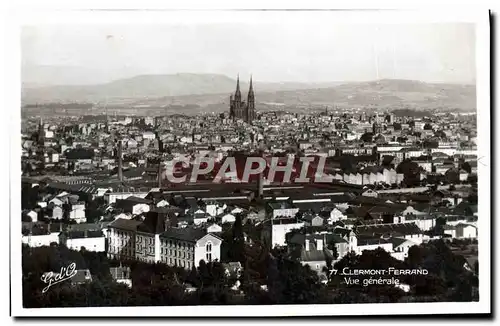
(214, 89)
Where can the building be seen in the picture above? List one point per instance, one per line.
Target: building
(121, 238)
(89, 240)
(121, 275)
(279, 227)
(186, 247)
(239, 109)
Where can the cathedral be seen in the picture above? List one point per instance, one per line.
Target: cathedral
(239, 109)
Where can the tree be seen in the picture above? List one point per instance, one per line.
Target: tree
(367, 137)
(411, 172)
(427, 126)
(466, 167)
(238, 241)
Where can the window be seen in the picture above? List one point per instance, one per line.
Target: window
(209, 257)
(209, 247)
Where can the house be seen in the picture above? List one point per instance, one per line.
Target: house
(186, 247)
(134, 205)
(466, 231)
(424, 222)
(228, 218)
(200, 217)
(333, 216)
(349, 236)
(370, 193)
(214, 228)
(372, 243)
(279, 227)
(57, 201)
(162, 203)
(89, 240)
(42, 235)
(450, 230)
(33, 215)
(400, 248)
(312, 220)
(315, 254)
(341, 244)
(282, 209)
(214, 208)
(77, 212)
(121, 275)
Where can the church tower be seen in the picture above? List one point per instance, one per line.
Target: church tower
(250, 109)
(237, 99)
(244, 110)
(41, 133)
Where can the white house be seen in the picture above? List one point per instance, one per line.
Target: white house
(57, 213)
(140, 208)
(335, 216)
(280, 228)
(162, 203)
(77, 213)
(372, 244)
(401, 247)
(214, 228)
(90, 240)
(57, 201)
(41, 240)
(33, 215)
(200, 218)
(236, 210)
(466, 231)
(283, 209)
(214, 209)
(111, 197)
(148, 135)
(186, 247)
(228, 218)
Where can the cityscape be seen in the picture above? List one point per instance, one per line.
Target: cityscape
(243, 192)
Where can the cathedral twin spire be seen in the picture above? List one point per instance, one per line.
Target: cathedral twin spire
(238, 108)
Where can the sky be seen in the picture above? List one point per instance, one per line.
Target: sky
(301, 52)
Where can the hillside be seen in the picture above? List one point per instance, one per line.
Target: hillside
(384, 93)
(210, 92)
(149, 86)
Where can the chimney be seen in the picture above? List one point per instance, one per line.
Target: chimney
(260, 186)
(319, 244)
(120, 161)
(307, 245)
(159, 175)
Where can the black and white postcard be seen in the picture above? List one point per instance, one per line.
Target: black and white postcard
(251, 163)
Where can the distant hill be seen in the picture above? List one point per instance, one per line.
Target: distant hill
(386, 93)
(150, 86)
(210, 92)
